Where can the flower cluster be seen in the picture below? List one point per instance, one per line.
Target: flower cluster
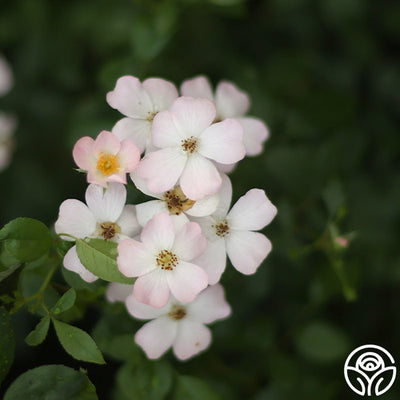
(178, 151)
(7, 122)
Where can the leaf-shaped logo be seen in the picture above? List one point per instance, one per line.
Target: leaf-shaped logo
(382, 381)
(357, 380)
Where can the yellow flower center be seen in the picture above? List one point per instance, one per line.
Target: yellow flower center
(177, 313)
(222, 229)
(107, 164)
(166, 260)
(108, 230)
(177, 201)
(189, 145)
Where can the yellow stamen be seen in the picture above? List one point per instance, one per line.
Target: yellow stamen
(189, 145)
(177, 201)
(107, 164)
(166, 260)
(222, 229)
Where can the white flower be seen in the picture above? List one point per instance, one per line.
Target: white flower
(105, 216)
(232, 233)
(162, 261)
(118, 292)
(177, 325)
(140, 102)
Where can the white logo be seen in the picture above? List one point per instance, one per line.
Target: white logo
(369, 370)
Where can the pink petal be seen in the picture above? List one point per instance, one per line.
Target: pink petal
(83, 153)
(197, 87)
(213, 260)
(209, 306)
(166, 131)
(143, 311)
(223, 142)
(96, 177)
(156, 337)
(118, 292)
(140, 184)
(159, 233)
(75, 219)
(247, 250)
(193, 115)
(162, 93)
(130, 98)
(153, 289)
(106, 205)
(255, 134)
(162, 169)
(253, 211)
(191, 339)
(119, 177)
(186, 281)
(107, 143)
(134, 259)
(137, 130)
(200, 178)
(128, 156)
(146, 211)
(189, 242)
(128, 222)
(72, 263)
(230, 100)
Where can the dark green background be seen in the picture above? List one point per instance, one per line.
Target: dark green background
(324, 75)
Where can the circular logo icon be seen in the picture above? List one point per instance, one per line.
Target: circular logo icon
(369, 370)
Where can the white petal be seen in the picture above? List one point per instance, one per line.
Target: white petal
(223, 142)
(225, 168)
(213, 260)
(230, 100)
(225, 198)
(106, 205)
(72, 263)
(255, 134)
(130, 98)
(118, 292)
(199, 178)
(137, 130)
(247, 250)
(128, 222)
(143, 311)
(162, 93)
(253, 211)
(166, 130)
(189, 242)
(153, 289)
(186, 281)
(197, 87)
(141, 184)
(159, 232)
(146, 211)
(156, 337)
(162, 169)
(209, 306)
(76, 219)
(192, 337)
(193, 115)
(205, 206)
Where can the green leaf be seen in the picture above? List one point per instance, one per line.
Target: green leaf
(75, 281)
(7, 343)
(39, 333)
(52, 382)
(66, 301)
(99, 257)
(8, 263)
(192, 388)
(78, 343)
(26, 239)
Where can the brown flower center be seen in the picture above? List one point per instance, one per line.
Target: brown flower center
(189, 145)
(177, 201)
(177, 313)
(151, 115)
(108, 230)
(166, 260)
(222, 229)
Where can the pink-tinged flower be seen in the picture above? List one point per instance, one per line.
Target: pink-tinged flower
(173, 202)
(106, 158)
(230, 102)
(233, 233)
(140, 102)
(161, 261)
(105, 216)
(177, 325)
(188, 143)
(7, 143)
(6, 77)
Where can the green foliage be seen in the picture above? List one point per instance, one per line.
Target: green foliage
(38, 335)
(26, 239)
(99, 257)
(192, 388)
(65, 302)
(77, 343)
(52, 382)
(7, 343)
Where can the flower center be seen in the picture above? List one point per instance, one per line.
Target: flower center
(177, 201)
(222, 229)
(107, 164)
(189, 145)
(166, 260)
(108, 230)
(177, 313)
(151, 115)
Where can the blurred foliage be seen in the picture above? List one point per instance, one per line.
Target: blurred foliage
(324, 76)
